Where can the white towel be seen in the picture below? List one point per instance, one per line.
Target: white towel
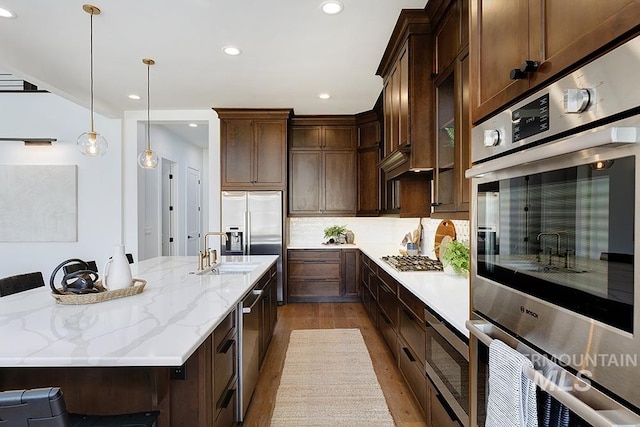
(512, 396)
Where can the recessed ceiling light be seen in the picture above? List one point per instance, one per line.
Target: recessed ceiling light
(6, 13)
(193, 125)
(324, 96)
(230, 50)
(332, 7)
(134, 96)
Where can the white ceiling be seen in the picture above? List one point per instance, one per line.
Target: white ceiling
(198, 136)
(291, 52)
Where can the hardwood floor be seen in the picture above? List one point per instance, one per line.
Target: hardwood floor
(404, 409)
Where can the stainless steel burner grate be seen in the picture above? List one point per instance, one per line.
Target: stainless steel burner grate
(413, 263)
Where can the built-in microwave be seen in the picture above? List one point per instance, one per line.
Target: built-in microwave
(447, 367)
(555, 202)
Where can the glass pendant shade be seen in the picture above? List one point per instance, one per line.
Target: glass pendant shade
(148, 159)
(92, 144)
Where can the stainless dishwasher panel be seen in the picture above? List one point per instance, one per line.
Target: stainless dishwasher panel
(249, 317)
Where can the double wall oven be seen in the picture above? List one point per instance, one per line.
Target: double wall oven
(555, 186)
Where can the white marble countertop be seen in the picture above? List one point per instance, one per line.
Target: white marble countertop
(445, 294)
(162, 326)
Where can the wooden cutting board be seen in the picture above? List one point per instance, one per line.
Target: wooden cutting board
(445, 228)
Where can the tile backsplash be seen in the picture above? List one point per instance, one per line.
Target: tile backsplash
(370, 230)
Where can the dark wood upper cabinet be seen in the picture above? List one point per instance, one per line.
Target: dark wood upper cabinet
(253, 148)
(452, 120)
(322, 166)
(305, 183)
(558, 34)
(305, 137)
(406, 69)
(369, 173)
(314, 137)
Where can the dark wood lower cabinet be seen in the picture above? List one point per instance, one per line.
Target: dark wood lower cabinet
(413, 372)
(206, 394)
(369, 287)
(402, 323)
(323, 275)
(99, 390)
(412, 339)
(225, 381)
(388, 309)
(388, 331)
(350, 273)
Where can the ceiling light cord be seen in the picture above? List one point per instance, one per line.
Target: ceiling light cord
(148, 107)
(91, 66)
(148, 159)
(91, 143)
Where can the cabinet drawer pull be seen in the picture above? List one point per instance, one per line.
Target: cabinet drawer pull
(226, 346)
(385, 318)
(227, 398)
(527, 66)
(409, 315)
(409, 355)
(385, 288)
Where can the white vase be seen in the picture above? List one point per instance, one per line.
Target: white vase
(117, 273)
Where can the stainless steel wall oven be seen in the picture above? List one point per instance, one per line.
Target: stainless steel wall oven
(555, 182)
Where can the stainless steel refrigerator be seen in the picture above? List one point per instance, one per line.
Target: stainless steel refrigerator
(253, 223)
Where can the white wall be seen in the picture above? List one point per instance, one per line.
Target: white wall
(386, 230)
(133, 222)
(45, 115)
(171, 147)
(107, 186)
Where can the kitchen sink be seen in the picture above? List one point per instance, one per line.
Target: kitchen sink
(228, 268)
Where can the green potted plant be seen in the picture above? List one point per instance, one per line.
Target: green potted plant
(455, 254)
(335, 233)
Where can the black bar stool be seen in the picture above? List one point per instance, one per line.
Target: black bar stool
(45, 407)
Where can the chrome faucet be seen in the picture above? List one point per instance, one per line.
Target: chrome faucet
(558, 254)
(207, 254)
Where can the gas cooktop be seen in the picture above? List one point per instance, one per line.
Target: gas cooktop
(413, 263)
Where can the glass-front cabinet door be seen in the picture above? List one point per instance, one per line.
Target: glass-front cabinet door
(453, 133)
(446, 145)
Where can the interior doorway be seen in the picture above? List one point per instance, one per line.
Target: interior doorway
(168, 240)
(193, 212)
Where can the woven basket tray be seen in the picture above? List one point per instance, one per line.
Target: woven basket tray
(105, 295)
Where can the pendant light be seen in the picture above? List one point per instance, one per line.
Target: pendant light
(148, 159)
(92, 143)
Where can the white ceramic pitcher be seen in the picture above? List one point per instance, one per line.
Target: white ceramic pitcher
(117, 273)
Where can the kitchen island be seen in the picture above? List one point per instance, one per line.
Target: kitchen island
(119, 356)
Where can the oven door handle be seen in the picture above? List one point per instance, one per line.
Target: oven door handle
(610, 414)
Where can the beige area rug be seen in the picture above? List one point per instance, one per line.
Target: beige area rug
(328, 380)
